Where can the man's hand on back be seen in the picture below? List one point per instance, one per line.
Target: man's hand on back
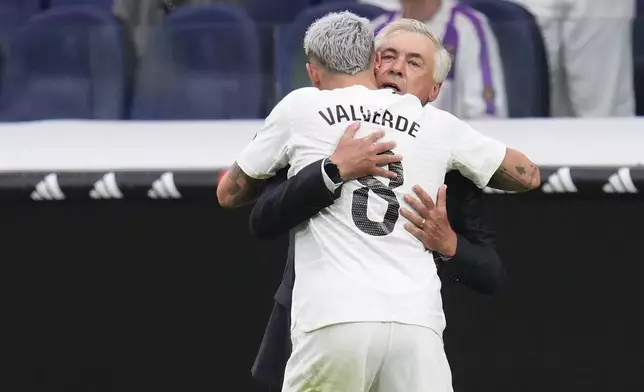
(357, 158)
(430, 224)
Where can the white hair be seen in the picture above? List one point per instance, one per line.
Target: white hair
(443, 60)
(342, 42)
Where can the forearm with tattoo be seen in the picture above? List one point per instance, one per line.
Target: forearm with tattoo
(515, 179)
(241, 188)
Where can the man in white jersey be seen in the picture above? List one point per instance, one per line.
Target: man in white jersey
(367, 311)
(575, 31)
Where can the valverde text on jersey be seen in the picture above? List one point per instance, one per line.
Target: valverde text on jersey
(339, 114)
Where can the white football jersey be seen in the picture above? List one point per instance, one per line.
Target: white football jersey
(354, 261)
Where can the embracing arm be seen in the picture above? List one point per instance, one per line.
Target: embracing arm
(287, 203)
(488, 162)
(453, 229)
(476, 264)
(516, 173)
(264, 156)
(236, 188)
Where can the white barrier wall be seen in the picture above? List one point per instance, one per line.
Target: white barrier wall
(194, 145)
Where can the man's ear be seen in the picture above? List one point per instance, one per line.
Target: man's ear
(436, 89)
(377, 61)
(314, 75)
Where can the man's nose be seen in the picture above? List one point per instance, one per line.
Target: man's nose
(398, 67)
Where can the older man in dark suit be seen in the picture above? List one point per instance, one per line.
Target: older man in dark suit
(465, 244)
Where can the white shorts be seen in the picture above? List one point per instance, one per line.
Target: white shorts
(367, 357)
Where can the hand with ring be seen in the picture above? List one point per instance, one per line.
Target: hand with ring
(429, 222)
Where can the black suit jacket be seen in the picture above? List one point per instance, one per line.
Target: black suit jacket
(285, 204)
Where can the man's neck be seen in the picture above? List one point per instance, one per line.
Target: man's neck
(366, 79)
(422, 10)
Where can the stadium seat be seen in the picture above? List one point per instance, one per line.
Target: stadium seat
(638, 57)
(67, 62)
(14, 13)
(290, 59)
(269, 16)
(202, 63)
(523, 54)
(276, 11)
(20, 10)
(105, 5)
(9, 20)
(334, 1)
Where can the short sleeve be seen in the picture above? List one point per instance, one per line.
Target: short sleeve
(267, 152)
(473, 154)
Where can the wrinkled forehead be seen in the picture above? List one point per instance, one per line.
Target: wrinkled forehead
(408, 44)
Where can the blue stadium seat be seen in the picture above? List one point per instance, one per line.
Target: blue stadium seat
(317, 2)
(523, 54)
(202, 63)
(290, 60)
(20, 10)
(276, 11)
(105, 5)
(14, 13)
(9, 20)
(638, 57)
(67, 62)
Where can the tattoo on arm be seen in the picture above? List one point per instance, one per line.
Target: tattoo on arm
(243, 189)
(518, 179)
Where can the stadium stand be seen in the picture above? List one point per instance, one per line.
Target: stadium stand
(20, 10)
(219, 61)
(105, 5)
(525, 65)
(276, 11)
(190, 72)
(290, 60)
(638, 57)
(67, 62)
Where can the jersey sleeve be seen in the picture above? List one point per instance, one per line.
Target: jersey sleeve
(473, 154)
(267, 153)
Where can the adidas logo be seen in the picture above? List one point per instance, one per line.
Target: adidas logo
(164, 188)
(620, 182)
(48, 189)
(106, 188)
(559, 182)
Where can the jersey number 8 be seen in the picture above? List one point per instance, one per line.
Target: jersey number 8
(361, 200)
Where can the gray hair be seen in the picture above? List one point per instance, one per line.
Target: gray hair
(342, 42)
(443, 60)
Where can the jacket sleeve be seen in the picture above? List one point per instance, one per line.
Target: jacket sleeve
(285, 204)
(476, 263)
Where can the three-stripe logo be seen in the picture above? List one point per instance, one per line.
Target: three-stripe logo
(164, 188)
(559, 182)
(620, 182)
(106, 188)
(48, 189)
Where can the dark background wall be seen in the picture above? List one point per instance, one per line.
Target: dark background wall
(173, 296)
